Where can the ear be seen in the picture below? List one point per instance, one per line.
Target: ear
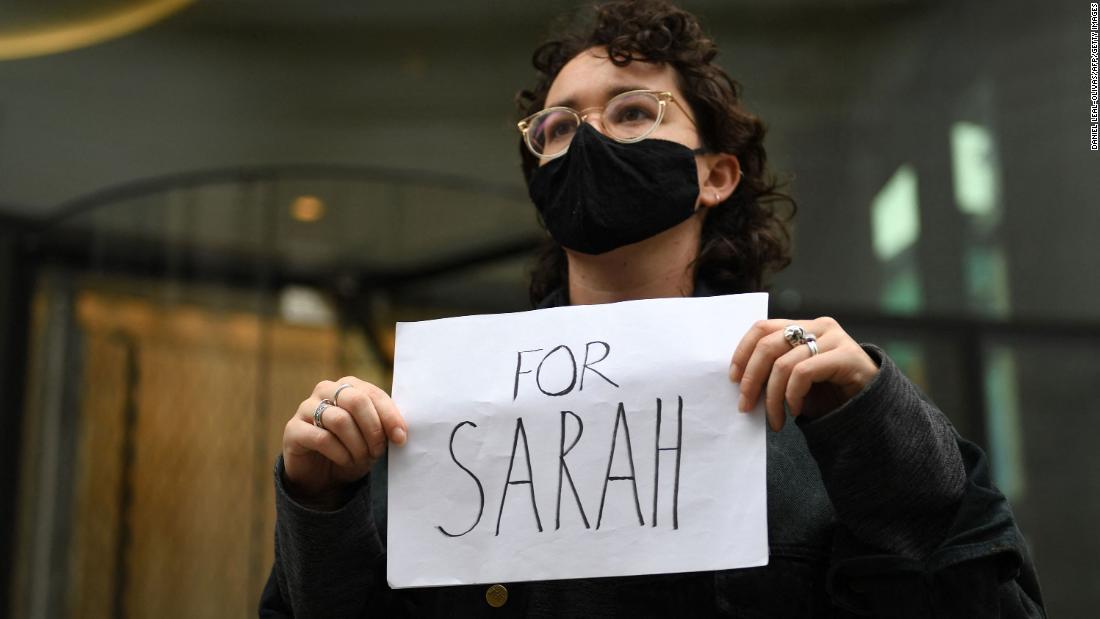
(719, 175)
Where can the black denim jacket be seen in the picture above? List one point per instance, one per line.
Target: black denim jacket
(878, 508)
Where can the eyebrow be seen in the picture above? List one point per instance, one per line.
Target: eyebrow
(610, 92)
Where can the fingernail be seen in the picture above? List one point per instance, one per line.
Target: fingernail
(399, 436)
(735, 372)
(741, 403)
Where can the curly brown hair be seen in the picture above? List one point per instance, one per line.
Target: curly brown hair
(744, 239)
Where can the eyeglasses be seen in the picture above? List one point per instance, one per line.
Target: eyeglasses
(628, 117)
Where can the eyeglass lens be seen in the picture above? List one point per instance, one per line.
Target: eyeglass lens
(626, 117)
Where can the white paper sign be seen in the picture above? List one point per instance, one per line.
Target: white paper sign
(576, 442)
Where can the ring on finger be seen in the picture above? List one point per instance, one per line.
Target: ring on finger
(336, 394)
(319, 412)
(795, 335)
(811, 343)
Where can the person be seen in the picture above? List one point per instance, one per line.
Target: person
(651, 178)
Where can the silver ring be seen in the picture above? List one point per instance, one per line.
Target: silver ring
(795, 335)
(320, 411)
(811, 343)
(336, 396)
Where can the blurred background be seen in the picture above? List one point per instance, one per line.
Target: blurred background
(207, 207)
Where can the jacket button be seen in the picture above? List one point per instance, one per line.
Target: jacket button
(496, 596)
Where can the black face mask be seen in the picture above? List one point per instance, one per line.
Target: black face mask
(602, 194)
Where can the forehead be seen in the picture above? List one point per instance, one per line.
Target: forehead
(590, 78)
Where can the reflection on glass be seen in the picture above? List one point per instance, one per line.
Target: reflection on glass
(902, 293)
(974, 164)
(895, 226)
(1003, 422)
(895, 214)
(987, 279)
(977, 184)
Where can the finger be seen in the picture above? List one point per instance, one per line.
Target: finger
(819, 369)
(324, 389)
(759, 365)
(307, 407)
(744, 348)
(334, 419)
(304, 435)
(340, 389)
(361, 407)
(340, 422)
(393, 422)
(777, 384)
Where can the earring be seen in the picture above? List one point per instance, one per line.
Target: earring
(717, 198)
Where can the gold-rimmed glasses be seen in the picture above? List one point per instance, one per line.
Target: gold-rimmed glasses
(628, 117)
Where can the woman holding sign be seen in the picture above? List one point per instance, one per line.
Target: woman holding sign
(651, 179)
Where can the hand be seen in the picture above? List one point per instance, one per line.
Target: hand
(321, 462)
(811, 385)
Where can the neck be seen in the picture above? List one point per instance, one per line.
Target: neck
(660, 266)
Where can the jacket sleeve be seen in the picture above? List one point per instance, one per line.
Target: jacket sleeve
(327, 563)
(922, 531)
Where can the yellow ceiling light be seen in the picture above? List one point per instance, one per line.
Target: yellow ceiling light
(86, 30)
(307, 209)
